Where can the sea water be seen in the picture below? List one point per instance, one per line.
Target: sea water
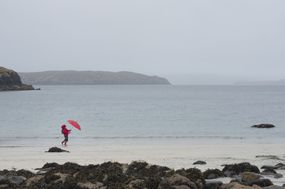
(130, 112)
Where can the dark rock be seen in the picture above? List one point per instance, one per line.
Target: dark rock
(199, 163)
(263, 126)
(50, 165)
(268, 171)
(213, 174)
(143, 169)
(271, 157)
(137, 167)
(68, 168)
(248, 177)
(152, 174)
(261, 183)
(177, 181)
(273, 187)
(278, 176)
(88, 185)
(271, 172)
(3, 180)
(268, 167)
(49, 178)
(213, 184)
(4, 186)
(235, 169)
(11, 81)
(279, 165)
(195, 175)
(236, 185)
(12, 180)
(17, 180)
(113, 175)
(137, 184)
(24, 173)
(57, 150)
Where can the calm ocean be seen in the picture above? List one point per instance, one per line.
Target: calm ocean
(155, 112)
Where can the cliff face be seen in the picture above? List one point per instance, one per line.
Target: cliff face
(11, 81)
(91, 78)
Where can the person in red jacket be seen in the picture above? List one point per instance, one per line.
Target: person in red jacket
(65, 133)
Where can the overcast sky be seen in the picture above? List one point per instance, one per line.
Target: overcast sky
(227, 38)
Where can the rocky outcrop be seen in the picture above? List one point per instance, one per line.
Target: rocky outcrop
(199, 162)
(11, 81)
(91, 78)
(56, 150)
(213, 174)
(235, 169)
(263, 126)
(113, 175)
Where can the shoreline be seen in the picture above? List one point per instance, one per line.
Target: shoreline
(175, 154)
(168, 152)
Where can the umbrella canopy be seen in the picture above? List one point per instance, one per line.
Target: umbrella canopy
(74, 124)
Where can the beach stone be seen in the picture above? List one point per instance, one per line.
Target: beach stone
(89, 185)
(271, 172)
(273, 187)
(263, 126)
(269, 167)
(261, 182)
(137, 184)
(235, 169)
(278, 165)
(4, 186)
(151, 174)
(213, 174)
(56, 149)
(143, 169)
(195, 175)
(49, 178)
(268, 171)
(235, 185)
(16, 179)
(34, 179)
(50, 165)
(2, 178)
(68, 168)
(181, 187)
(24, 173)
(248, 177)
(272, 157)
(177, 181)
(199, 163)
(278, 176)
(213, 184)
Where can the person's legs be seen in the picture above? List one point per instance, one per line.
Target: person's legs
(65, 140)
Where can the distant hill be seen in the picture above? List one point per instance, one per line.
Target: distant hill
(11, 81)
(91, 78)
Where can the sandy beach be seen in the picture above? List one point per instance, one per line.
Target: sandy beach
(171, 152)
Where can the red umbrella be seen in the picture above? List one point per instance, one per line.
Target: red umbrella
(74, 124)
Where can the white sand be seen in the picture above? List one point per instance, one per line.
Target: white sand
(173, 153)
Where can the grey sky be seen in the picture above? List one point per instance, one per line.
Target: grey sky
(241, 38)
